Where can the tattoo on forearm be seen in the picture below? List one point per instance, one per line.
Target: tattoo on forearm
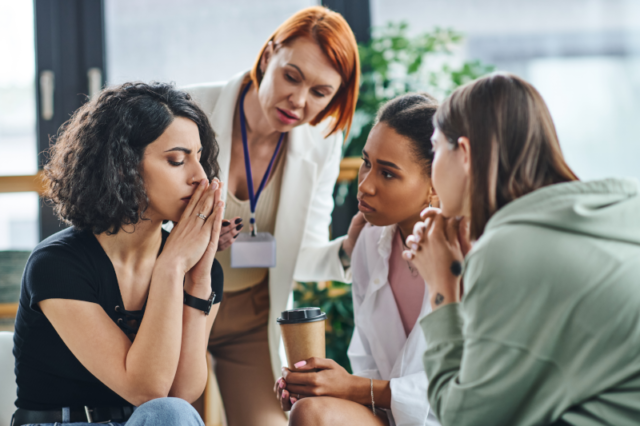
(439, 299)
(456, 268)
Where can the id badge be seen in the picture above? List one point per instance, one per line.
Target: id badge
(254, 252)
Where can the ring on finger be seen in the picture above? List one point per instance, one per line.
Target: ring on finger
(201, 216)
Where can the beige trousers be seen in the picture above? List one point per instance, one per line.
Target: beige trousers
(240, 347)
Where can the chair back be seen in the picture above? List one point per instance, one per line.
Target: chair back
(7, 378)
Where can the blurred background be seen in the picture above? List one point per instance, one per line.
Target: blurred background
(582, 55)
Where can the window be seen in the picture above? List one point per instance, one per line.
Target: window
(587, 68)
(18, 211)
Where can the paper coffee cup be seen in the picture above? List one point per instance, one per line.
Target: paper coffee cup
(303, 334)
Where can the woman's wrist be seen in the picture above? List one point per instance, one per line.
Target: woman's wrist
(169, 261)
(344, 255)
(359, 390)
(444, 294)
(201, 289)
(169, 270)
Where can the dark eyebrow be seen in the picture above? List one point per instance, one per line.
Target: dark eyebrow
(185, 150)
(388, 164)
(304, 78)
(384, 163)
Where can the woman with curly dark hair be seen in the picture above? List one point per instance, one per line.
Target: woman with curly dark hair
(115, 313)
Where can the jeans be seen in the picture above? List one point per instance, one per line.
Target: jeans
(157, 412)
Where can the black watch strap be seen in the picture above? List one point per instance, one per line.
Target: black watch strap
(345, 260)
(199, 304)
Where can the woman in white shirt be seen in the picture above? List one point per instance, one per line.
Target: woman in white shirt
(288, 113)
(389, 384)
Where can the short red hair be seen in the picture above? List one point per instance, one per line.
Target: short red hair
(334, 36)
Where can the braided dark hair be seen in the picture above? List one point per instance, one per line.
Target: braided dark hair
(411, 116)
(93, 176)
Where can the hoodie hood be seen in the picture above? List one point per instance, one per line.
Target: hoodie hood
(608, 209)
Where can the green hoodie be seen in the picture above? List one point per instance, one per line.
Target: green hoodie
(549, 326)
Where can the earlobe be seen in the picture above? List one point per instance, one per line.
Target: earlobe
(434, 201)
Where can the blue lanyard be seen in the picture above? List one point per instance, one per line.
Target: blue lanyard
(253, 197)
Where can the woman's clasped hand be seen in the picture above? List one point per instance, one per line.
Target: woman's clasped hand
(194, 239)
(437, 248)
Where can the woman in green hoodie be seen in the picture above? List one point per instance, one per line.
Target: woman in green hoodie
(548, 328)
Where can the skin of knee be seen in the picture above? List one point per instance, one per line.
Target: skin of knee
(309, 412)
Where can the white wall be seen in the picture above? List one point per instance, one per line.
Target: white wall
(476, 17)
(189, 41)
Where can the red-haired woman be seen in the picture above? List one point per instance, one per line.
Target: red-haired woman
(281, 123)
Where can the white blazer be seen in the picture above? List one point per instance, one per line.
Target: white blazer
(380, 348)
(303, 249)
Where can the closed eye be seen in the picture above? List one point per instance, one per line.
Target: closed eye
(289, 78)
(176, 163)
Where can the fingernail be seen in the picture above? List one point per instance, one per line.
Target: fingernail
(236, 236)
(220, 203)
(238, 220)
(293, 400)
(214, 185)
(300, 364)
(226, 223)
(239, 227)
(414, 247)
(281, 384)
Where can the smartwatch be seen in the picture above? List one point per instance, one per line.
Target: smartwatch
(199, 304)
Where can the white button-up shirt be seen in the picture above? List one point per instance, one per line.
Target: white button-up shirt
(380, 349)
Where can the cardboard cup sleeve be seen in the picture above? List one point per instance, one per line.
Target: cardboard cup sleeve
(303, 334)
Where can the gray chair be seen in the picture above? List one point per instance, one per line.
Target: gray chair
(7, 378)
